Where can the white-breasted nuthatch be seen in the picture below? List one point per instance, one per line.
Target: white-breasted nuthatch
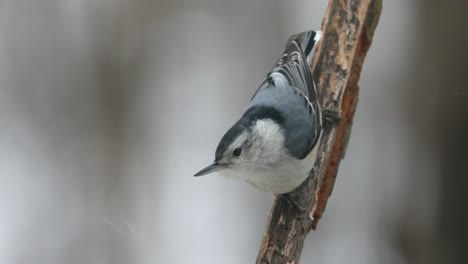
(274, 144)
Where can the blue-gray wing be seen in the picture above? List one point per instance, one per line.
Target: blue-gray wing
(290, 89)
(301, 118)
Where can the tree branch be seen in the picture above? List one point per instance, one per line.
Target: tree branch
(349, 26)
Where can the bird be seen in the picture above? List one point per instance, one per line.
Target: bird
(273, 146)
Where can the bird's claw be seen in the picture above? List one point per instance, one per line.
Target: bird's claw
(331, 116)
(294, 204)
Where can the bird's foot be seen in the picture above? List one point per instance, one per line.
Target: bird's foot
(331, 116)
(293, 203)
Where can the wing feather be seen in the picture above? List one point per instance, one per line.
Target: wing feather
(290, 89)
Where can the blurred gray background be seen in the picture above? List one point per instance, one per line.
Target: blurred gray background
(107, 108)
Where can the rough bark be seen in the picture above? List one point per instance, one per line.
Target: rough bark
(349, 26)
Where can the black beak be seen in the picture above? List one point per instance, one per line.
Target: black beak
(212, 168)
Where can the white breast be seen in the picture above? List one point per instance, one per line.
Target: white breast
(286, 177)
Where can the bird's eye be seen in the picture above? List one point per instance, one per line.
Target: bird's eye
(237, 152)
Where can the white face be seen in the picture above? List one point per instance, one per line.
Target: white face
(259, 148)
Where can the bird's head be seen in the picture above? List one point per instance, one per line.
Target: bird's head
(251, 144)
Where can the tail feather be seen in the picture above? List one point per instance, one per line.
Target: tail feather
(308, 40)
(305, 42)
(293, 66)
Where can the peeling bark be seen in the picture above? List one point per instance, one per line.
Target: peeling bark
(349, 26)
